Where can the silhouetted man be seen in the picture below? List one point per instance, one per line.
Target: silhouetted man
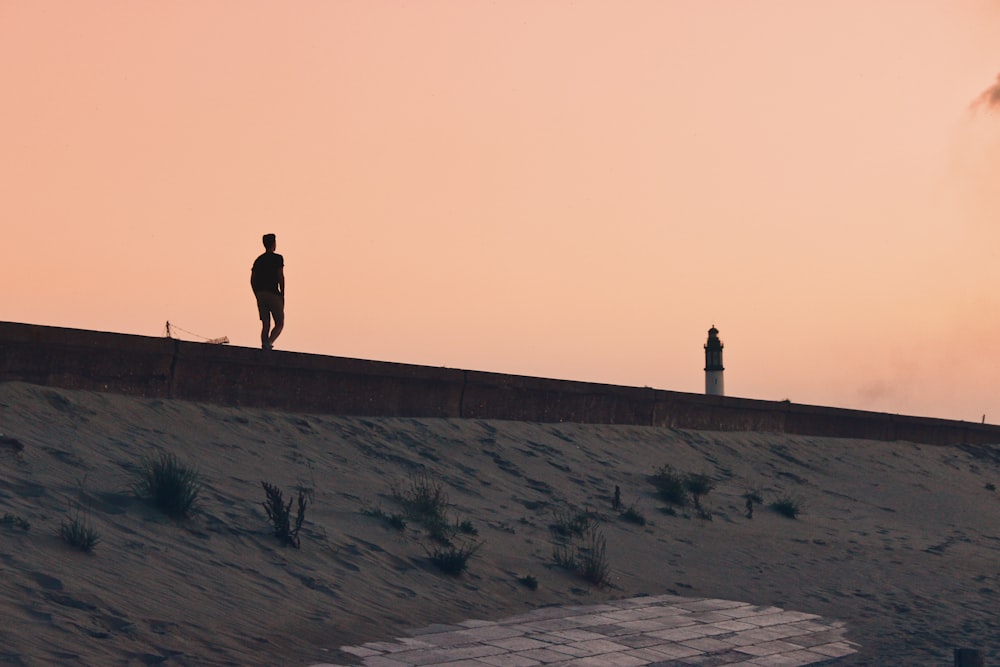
(267, 277)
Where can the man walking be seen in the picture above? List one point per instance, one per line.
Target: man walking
(267, 277)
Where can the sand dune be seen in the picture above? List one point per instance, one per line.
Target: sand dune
(901, 541)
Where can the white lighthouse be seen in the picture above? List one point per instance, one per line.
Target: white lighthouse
(714, 385)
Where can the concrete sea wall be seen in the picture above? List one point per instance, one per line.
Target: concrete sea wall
(291, 381)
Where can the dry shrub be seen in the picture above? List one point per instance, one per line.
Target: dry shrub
(280, 515)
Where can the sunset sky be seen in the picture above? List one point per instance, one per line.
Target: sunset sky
(565, 189)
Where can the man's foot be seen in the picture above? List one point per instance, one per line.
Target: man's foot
(266, 346)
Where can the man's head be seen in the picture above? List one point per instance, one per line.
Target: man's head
(270, 242)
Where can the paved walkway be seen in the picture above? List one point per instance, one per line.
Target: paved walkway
(663, 631)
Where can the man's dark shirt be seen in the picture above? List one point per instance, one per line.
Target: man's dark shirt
(264, 276)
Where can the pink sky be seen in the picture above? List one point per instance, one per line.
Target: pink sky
(575, 190)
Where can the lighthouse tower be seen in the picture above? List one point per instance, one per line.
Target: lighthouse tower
(714, 385)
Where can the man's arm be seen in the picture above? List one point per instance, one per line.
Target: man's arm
(281, 281)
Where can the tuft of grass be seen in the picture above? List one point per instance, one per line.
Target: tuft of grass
(426, 501)
(670, 485)
(79, 533)
(564, 556)
(593, 560)
(453, 559)
(698, 485)
(588, 559)
(528, 581)
(442, 532)
(280, 515)
(632, 514)
(397, 521)
(569, 523)
(787, 506)
(15, 521)
(169, 485)
(676, 488)
(422, 499)
(439, 530)
(753, 496)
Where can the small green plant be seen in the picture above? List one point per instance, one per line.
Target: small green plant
(422, 498)
(990, 486)
(588, 559)
(698, 485)
(440, 530)
(564, 556)
(753, 497)
(670, 485)
(568, 523)
(280, 515)
(529, 582)
(633, 514)
(169, 485)
(787, 506)
(395, 520)
(79, 533)
(593, 560)
(15, 521)
(453, 559)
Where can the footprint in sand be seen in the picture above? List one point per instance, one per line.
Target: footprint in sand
(68, 458)
(28, 490)
(559, 466)
(540, 486)
(71, 602)
(503, 464)
(12, 445)
(161, 627)
(47, 582)
(544, 449)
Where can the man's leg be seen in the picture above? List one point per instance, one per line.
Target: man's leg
(279, 324)
(278, 312)
(265, 325)
(264, 310)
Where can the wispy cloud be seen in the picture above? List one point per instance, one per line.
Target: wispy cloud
(989, 98)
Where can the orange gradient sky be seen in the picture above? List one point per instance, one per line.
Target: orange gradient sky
(573, 190)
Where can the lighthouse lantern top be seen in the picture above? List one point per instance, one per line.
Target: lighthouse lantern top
(713, 351)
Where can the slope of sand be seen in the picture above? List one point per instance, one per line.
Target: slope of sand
(901, 541)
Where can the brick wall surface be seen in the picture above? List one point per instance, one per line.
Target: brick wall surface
(297, 382)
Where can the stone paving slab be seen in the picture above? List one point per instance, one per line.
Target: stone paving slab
(661, 631)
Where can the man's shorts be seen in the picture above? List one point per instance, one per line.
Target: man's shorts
(271, 305)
